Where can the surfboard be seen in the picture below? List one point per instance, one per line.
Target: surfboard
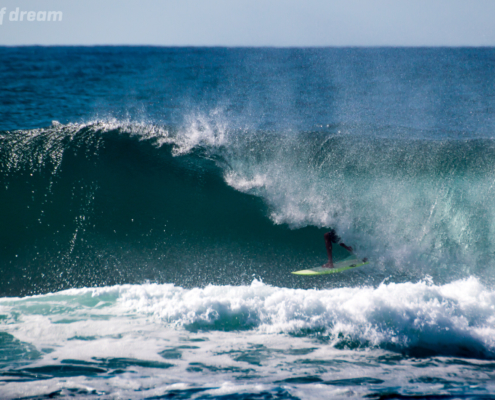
(339, 266)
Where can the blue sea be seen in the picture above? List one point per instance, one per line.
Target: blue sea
(154, 202)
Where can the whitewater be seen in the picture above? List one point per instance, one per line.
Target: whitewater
(251, 341)
(154, 202)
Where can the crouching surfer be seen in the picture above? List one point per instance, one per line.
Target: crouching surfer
(332, 237)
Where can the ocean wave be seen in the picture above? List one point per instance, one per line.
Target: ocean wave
(109, 202)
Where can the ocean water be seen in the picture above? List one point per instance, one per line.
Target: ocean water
(153, 202)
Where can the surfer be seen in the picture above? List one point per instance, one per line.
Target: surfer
(332, 237)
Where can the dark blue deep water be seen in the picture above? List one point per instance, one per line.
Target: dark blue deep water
(153, 202)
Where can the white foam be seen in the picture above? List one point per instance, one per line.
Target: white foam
(244, 184)
(406, 314)
(141, 321)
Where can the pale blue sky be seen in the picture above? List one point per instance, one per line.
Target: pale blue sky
(255, 23)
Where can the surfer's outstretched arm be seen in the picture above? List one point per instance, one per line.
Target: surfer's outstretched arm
(348, 248)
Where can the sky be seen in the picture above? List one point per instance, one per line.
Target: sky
(278, 23)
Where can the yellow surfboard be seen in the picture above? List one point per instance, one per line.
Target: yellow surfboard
(339, 266)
